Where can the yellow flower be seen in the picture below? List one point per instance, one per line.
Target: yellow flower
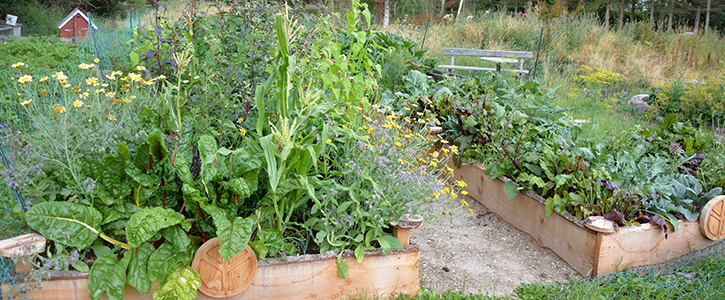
(96, 60)
(100, 91)
(406, 108)
(433, 164)
(461, 183)
(133, 97)
(26, 102)
(401, 161)
(218, 133)
(435, 154)
(141, 68)
(445, 150)
(328, 141)
(464, 203)
(464, 193)
(105, 85)
(111, 118)
(185, 81)
(242, 131)
(437, 195)
(84, 66)
(25, 79)
(300, 136)
(344, 127)
(92, 81)
(126, 100)
(454, 148)
(44, 79)
(240, 120)
(18, 65)
(161, 77)
(111, 77)
(110, 94)
(211, 75)
(84, 95)
(398, 144)
(470, 211)
(60, 109)
(78, 103)
(454, 195)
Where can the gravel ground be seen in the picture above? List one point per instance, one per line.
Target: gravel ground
(481, 253)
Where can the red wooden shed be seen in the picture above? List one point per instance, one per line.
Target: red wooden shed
(74, 27)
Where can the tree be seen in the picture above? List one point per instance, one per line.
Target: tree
(707, 16)
(621, 16)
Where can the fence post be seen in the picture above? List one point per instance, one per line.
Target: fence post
(536, 64)
(424, 34)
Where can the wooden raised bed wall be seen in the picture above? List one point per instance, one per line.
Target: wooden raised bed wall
(587, 251)
(300, 277)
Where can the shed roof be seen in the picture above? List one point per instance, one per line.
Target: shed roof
(71, 15)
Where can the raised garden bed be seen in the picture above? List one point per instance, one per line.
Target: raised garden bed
(587, 251)
(297, 277)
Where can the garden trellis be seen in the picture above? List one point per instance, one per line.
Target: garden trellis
(103, 47)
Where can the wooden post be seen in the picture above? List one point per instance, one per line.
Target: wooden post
(402, 234)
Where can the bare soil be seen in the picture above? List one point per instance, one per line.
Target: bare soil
(481, 253)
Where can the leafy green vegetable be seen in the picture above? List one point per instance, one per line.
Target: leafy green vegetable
(511, 189)
(165, 259)
(147, 222)
(138, 276)
(179, 284)
(108, 274)
(234, 234)
(68, 223)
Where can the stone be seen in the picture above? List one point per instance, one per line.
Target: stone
(637, 102)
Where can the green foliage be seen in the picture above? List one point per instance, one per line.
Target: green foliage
(179, 284)
(108, 274)
(148, 221)
(67, 223)
(38, 54)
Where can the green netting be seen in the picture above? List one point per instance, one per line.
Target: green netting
(109, 46)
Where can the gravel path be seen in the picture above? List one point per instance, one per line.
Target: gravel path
(481, 253)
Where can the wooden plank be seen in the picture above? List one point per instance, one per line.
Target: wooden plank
(637, 246)
(313, 276)
(572, 242)
(588, 252)
(22, 245)
(465, 68)
(495, 53)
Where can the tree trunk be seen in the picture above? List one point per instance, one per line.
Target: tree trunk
(606, 17)
(621, 16)
(707, 17)
(661, 22)
(631, 13)
(697, 19)
(443, 7)
(460, 6)
(651, 13)
(672, 15)
(386, 14)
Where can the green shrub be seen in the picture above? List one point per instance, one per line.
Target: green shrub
(701, 104)
(38, 54)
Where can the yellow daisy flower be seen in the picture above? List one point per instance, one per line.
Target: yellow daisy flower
(25, 79)
(78, 103)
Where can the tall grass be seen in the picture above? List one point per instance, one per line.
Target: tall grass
(570, 46)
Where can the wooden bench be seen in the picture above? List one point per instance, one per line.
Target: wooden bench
(496, 56)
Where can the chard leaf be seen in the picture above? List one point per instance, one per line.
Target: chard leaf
(68, 223)
(166, 258)
(177, 236)
(108, 274)
(234, 235)
(109, 188)
(180, 284)
(138, 276)
(147, 222)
